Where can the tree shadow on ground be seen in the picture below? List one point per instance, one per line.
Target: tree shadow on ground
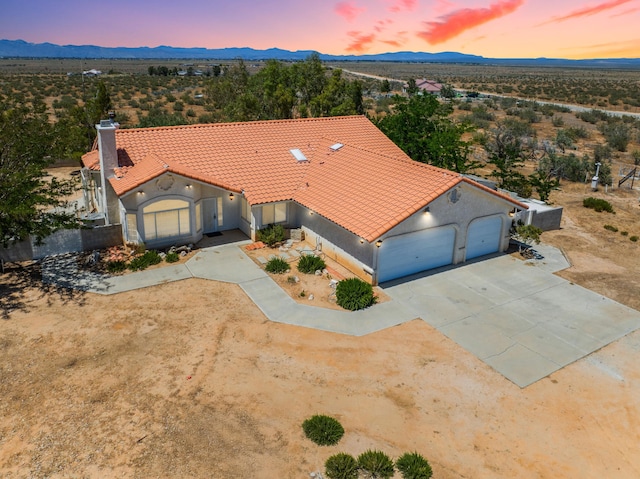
(21, 284)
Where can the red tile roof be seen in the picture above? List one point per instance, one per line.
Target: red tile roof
(367, 186)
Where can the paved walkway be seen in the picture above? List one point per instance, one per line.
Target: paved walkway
(514, 315)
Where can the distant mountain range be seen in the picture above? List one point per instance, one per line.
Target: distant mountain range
(22, 49)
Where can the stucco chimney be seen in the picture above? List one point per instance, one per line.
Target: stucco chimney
(107, 147)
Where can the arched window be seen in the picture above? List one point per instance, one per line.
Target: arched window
(166, 219)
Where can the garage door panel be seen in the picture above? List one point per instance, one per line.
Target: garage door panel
(483, 236)
(414, 252)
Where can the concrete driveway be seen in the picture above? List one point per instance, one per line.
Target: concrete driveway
(517, 316)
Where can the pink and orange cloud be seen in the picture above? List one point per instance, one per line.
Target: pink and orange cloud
(360, 41)
(348, 10)
(382, 25)
(457, 22)
(400, 5)
(583, 12)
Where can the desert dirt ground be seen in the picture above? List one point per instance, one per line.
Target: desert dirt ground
(189, 379)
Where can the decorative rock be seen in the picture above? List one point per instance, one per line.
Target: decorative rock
(183, 254)
(311, 297)
(318, 272)
(296, 279)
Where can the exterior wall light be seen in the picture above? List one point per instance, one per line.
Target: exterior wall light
(231, 196)
(379, 243)
(189, 187)
(361, 240)
(427, 210)
(141, 193)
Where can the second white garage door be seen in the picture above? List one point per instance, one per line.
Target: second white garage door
(483, 236)
(411, 253)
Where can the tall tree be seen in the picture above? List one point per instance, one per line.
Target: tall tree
(28, 198)
(421, 126)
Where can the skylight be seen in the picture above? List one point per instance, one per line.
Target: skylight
(336, 146)
(298, 155)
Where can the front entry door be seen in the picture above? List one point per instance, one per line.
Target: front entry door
(212, 214)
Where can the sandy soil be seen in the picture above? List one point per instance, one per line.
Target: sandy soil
(309, 289)
(189, 379)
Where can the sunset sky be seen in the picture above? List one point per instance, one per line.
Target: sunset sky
(491, 28)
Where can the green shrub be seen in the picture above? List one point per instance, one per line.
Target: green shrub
(341, 466)
(172, 257)
(309, 264)
(633, 238)
(624, 233)
(323, 430)
(354, 294)
(277, 265)
(143, 262)
(611, 228)
(597, 204)
(116, 266)
(413, 466)
(271, 234)
(376, 464)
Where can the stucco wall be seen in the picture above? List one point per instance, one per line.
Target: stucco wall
(172, 186)
(458, 210)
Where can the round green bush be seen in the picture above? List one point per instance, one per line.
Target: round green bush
(323, 430)
(413, 466)
(341, 466)
(309, 264)
(172, 257)
(354, 294)
(116, 266)
(277, 265)
(149, 258)
(376, 464)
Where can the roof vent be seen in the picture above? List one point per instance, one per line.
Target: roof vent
(298, 155)
(336, 146)
(105, 123)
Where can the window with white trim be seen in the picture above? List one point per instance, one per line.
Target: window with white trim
(198, 216)
(245, 209)
(166, 219)
(274, 213)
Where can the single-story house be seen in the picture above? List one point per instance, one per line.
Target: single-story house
(356, 195)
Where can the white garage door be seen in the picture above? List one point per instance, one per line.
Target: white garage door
(483, 236)
(411, 253)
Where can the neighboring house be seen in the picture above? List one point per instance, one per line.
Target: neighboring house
(426, 87)
(354, 193)
(429, 86)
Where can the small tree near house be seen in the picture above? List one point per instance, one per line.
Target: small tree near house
(526, 234)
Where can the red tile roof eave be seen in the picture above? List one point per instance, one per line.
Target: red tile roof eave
(122, 191)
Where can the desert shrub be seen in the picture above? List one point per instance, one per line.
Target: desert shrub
(354, 294)
(624, 233)
(376, 464)
(413, 466)
(309, 264)
(271, 235)
(172, 257)
(143, 262)
(557, 121)
(277, 265)
(633, 238)
(323, 430)
(611, 228)
(341, 466)
(116, 266)
(597, 204)
(578, 132)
